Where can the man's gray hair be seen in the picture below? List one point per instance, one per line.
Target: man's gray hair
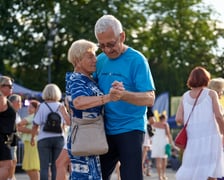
(107, 21)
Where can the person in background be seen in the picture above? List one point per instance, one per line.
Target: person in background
(7, 127)
(146, 155)
(31, 162)
(174, 159)
(49, 144)
(160, 139)
(6, 85)
(16, 101)
(86, 100)
(125, 120)
(145, 161)
(63, 160)
(217, 84)
(203, 156)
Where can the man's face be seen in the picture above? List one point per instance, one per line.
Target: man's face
(110, 44)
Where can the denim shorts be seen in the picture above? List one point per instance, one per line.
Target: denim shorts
(13, 150)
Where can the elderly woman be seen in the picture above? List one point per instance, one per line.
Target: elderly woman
(49, 144)
(217, 84)
(86, 99)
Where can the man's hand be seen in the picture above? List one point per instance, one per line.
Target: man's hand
(116, 91)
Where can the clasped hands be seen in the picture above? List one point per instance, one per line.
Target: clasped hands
(116, 91)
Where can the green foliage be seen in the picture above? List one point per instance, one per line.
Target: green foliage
(181, 37)
(174, 35)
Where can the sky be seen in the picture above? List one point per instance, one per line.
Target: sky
(218, 6)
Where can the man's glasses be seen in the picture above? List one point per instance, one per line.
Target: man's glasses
(109, 45)
(7, 85)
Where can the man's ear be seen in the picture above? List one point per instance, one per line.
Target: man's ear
(122, 36)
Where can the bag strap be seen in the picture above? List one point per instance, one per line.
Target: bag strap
(193, 106)
(48, 107)
(79, 121)
(51, 108)
(57, 108)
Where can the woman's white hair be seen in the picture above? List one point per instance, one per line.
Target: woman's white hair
(106, 22)
(78, 49)
(52, 92)
(216, 84)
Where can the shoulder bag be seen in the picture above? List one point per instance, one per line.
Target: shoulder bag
(88, 137)
(181, 138)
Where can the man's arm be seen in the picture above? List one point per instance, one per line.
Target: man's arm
(139, 98)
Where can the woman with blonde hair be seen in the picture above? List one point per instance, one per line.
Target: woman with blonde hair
(49, 143)
(86, 100)
(160, 139)
(217, 84)
(7, 127)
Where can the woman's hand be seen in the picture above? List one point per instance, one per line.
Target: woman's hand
(118, 85)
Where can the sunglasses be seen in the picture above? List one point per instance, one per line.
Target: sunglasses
(7, 85)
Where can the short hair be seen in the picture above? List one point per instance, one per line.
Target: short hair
(51, 92)
(5, 79)
(216, 84)
(198, 77)
(106, 22)
(78, 49)
(35, 103)
(14, 97)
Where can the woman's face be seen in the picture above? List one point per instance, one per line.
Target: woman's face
(220, 93)
(87, 65)
(31, 109)
(6, 88)
(17, 104)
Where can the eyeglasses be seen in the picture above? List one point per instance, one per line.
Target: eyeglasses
(7, 85)
(109, 45)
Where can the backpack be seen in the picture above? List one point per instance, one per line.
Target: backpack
(53, 122)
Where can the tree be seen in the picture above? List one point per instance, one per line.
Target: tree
(174, 35)
(26, 27)
(181, 36)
